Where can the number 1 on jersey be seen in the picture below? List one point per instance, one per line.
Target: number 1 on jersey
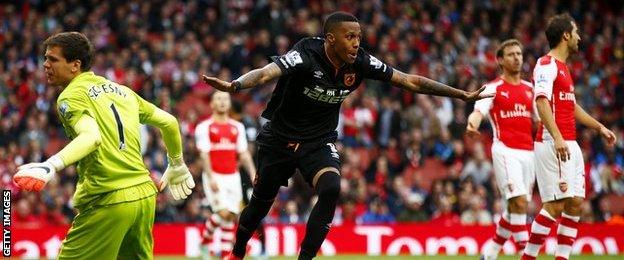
(122, 142)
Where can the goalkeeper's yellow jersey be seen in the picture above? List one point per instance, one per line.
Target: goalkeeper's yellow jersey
(117, 163)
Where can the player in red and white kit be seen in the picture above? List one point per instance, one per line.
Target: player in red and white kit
(559, 160)
(222, 143)
(511, 114)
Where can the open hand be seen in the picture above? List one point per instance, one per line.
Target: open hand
(476, 95)
(561, 150)
(34, 176)
(608, 135)
(218, 84)
(179, 179)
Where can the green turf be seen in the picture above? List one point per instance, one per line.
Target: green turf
(361, 257)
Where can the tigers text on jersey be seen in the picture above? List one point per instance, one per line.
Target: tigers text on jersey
(306, 101)
(510, 112)
(223, 141)
(553, 81)
(118, 111)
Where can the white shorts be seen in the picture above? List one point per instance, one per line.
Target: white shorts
(514, 170)
(230, 194)
(557, 179)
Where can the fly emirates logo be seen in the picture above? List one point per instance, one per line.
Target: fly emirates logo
(519, 111)
(224, 144)
(567, 96)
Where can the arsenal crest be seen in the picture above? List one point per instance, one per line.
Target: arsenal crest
(349, 79)
(563, 186)
(529, 94)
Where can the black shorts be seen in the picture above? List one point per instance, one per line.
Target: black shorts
(278, 159)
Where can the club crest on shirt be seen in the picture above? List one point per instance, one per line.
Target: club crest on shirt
(541, 78)
(64, 110)
(349, 79)
(563, 186)
(529, 94)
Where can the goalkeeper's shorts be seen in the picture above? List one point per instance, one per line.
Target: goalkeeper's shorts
(121, 230)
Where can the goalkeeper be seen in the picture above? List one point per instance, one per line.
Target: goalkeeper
(115, 196)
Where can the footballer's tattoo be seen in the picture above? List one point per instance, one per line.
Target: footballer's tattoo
(423, 85)
(260, 76)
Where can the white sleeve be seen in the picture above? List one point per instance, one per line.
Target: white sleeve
(484, 105)
(535, 113)
(241, 141)
(543, 77)
(202, 139)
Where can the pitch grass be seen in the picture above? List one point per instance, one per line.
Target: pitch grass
(362, 257)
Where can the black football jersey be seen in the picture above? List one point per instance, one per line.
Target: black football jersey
(306, 101)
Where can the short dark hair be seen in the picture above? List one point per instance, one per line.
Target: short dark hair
(74, 46)
(557, 25)
(500, 52)
(336, 18)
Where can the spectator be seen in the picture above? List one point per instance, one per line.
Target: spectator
(291, 214)
(476, 213)
(388, 125)
(24, 216)
(377, 213)
(413, 211)
(478, 168)
(444, 215)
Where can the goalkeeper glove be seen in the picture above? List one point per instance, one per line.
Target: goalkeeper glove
(179, 179)
(34, 176)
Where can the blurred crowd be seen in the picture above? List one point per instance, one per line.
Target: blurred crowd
(404, 155)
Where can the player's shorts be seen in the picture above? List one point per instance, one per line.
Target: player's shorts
(278, 159)
(514, 170)
(230, 194)
(557, 179)
(121, 230)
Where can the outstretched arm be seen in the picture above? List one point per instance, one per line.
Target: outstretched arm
(423, 85)
(248, 80)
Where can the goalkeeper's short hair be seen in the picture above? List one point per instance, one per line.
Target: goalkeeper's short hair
(74, 46)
